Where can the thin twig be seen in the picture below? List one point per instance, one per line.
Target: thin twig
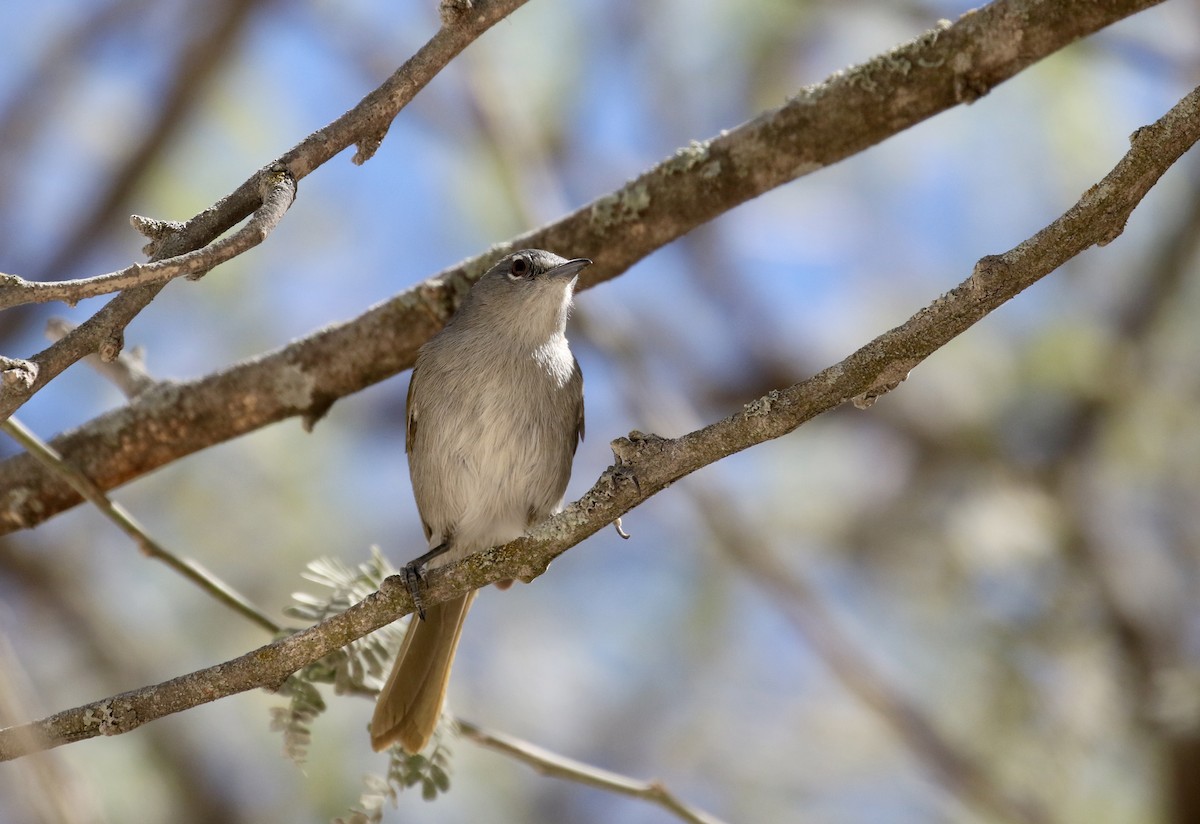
(127, 371)
(364, 125)
(213, 29)
(279, 193)
(820, 126)
(559, 766)
(122, 518)
(648, 464)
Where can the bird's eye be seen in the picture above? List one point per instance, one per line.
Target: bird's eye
(520, 267)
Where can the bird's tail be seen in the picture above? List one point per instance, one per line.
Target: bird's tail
(411, 702)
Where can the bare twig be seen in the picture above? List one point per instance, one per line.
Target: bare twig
(279, 192)
(213, 29)
(365, 124)
(647, 464)
(127, 371)
(122, 518)
(821, 125)
(559, 766)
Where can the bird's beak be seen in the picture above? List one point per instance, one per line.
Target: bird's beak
(568, 270)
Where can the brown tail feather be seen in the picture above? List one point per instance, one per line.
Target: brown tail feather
(411, 702)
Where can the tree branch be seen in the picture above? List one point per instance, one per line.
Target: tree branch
(559, 766)
(215, 31)
(212, 36)
(266, 666)
(955, 768)
(365, 125)
(125, 521)
(127, 371)
(647, 464)
(823, 124)
(279, 192)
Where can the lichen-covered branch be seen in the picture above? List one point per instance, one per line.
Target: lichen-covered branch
(647, 464)
(266, 667)
(823, 124)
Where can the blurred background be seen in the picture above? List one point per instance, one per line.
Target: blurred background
(982, 585)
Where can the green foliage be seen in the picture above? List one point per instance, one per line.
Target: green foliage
(430, 770)
(295, 720)
(359, 667)
(356, 668)
(349, 668)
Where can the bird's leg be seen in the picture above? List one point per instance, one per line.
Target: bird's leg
(412, 575)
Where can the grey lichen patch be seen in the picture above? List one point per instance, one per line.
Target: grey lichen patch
(621, 207)
(17, 375)
(927, 41)
(103, 718)
(711, 169)
(631, 448)
(687, 158)
(761, 407)
(624, 451)
(863, 77)
(902, 58)
(412, 298)
(877, 76)
(810, 94)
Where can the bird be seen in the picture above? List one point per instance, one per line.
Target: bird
(493, 418)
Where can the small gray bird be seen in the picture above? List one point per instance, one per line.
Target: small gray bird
(495, 411)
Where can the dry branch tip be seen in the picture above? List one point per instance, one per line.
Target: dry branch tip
(156, 231)
(17, 375)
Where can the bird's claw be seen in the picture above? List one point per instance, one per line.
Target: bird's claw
(411, 573)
